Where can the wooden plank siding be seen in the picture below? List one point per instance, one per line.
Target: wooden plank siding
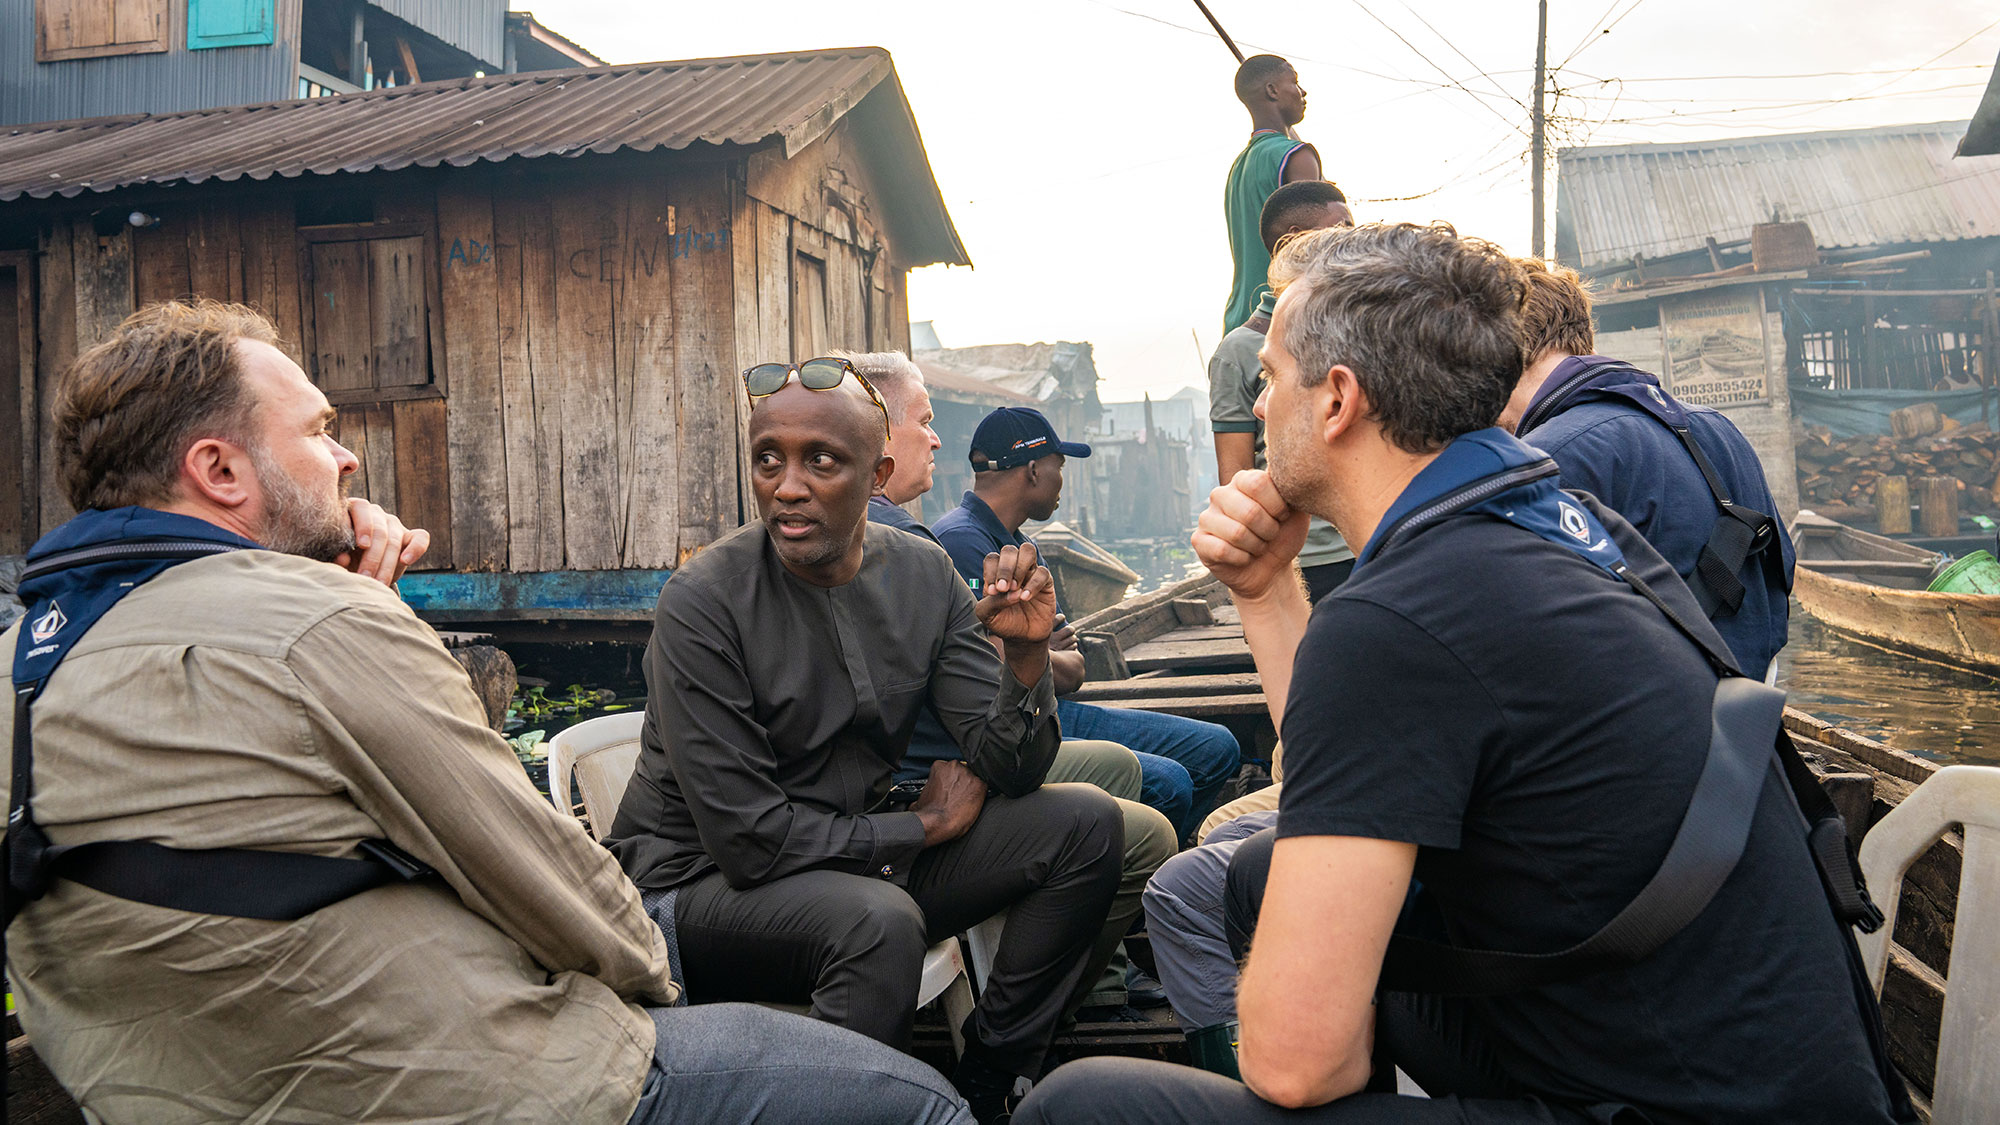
(537, 365)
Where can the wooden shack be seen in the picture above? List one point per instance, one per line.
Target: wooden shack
(529, 295)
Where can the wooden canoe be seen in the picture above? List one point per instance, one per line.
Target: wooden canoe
(1088, 578)
(1872, 588)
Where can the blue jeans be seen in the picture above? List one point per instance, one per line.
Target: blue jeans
(736, 1062)
(1182, 762)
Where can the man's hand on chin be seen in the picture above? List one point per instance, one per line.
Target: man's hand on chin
(1248, 537)
(383, 547)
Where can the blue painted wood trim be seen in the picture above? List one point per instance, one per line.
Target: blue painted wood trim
(599, 594)
(230, 23)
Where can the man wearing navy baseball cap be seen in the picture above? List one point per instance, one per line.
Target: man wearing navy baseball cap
(1017, 461)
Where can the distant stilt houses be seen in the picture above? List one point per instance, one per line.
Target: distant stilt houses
(529, 295)
(1830, 279)
(1151, 459)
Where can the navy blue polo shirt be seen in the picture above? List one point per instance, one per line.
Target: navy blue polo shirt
(884, 511)
(970, 532)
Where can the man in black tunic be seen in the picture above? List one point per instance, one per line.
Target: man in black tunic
(787, 667)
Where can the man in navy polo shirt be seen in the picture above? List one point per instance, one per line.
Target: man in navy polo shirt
(1017, 463)
(1493, 706)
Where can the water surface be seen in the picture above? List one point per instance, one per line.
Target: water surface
(1931, 710)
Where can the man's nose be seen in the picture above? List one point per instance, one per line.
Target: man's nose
(344, 458)
(1263, 400)
(792, 485)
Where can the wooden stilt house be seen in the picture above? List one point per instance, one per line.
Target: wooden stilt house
(528, 294)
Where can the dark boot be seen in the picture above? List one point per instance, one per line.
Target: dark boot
(1213, 1049)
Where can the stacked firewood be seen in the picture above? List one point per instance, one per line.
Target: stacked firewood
(1837, 473)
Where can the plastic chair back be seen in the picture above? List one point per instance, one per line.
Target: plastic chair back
(1967, 1086)
(600, 754)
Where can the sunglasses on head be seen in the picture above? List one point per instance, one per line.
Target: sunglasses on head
(821, 374)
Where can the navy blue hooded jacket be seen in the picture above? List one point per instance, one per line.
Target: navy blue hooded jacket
(1588, 417)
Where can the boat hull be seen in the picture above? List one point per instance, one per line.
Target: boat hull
(1957, 629)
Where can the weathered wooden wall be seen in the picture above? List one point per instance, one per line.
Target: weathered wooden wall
(572, 402)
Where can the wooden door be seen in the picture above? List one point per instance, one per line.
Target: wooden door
(808, 307)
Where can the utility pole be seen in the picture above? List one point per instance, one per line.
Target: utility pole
(1537, 143)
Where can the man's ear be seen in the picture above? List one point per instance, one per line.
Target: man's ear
(885, 467)
(1344, 404)
(218, 472)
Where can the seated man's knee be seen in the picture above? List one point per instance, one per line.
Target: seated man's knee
(1107, 765)
(1194, 879)
(882, 920)
(1150, 839)
(1249, 870)
(1086, 814)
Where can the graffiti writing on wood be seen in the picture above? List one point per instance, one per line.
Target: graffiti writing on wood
(468, 252)
(648, 254)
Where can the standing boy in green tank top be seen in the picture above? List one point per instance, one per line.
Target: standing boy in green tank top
(1269, 88)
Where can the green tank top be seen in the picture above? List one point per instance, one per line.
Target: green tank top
(1255, 175)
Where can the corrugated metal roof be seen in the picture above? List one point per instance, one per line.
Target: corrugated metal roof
(792, 99)
(1861, 187)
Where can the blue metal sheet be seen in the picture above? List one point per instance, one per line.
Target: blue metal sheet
(556, 594)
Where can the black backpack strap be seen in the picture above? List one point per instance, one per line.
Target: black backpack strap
(234, 882)
(1826, 830)
(1738, 534)
(1704, 851)
(1747, 727)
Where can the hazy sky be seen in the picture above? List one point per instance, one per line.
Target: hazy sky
(1081, 144)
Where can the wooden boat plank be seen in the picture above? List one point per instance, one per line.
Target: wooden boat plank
(1870, 566)
(1202, 633)
(1171, 653)
(1158, 685)
(1194, 706)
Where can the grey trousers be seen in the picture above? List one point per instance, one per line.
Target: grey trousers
(720, 1063)
(1113, 1091)
(1184, 918)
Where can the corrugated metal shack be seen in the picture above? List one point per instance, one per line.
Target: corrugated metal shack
(1833, 275)
(529, 295)
(64, 59)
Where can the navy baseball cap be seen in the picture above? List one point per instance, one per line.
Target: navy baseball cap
(1016, 435)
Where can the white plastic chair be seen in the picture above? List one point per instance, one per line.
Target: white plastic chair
(601, 754)
(1967, 1086)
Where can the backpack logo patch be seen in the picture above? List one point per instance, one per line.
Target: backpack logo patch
(1574, 522)
(1657, 396)
(48, 624)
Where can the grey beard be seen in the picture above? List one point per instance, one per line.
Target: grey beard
(297, 522)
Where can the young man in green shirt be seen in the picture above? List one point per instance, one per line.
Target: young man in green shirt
(1269, 88)
(1235, 376)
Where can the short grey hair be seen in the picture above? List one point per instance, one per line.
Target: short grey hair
(895, 377)
(1428, 321)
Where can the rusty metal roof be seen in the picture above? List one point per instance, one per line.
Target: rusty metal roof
(1859, 187)
(788, 100)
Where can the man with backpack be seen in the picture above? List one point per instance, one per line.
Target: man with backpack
(1515, 710)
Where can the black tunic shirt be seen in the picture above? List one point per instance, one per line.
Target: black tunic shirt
(777, 710)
